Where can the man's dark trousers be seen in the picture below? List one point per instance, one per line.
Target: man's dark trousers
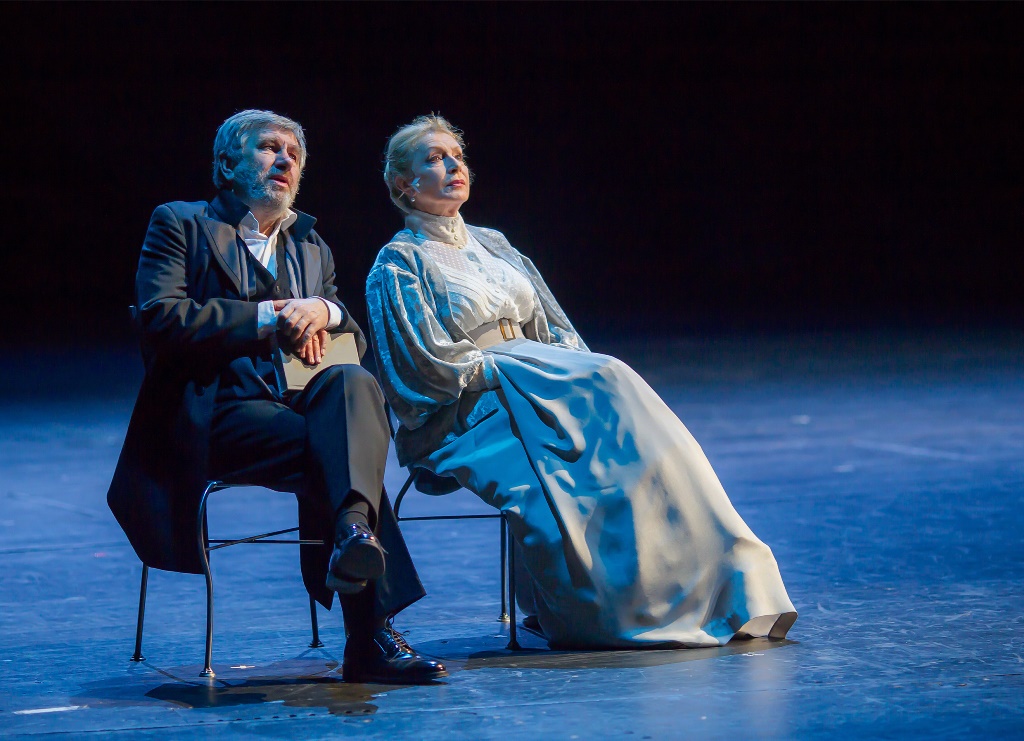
(323, 442)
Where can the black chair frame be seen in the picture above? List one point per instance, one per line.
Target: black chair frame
(206, 545)
(507, 558)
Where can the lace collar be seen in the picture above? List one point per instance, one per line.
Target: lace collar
(447, 229)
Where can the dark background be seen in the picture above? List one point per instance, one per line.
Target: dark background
(668, 167)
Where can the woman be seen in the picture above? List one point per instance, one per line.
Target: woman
(626, 532)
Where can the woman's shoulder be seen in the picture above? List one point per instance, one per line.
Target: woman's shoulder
(488, 235)
(398, 250)
(496, 242)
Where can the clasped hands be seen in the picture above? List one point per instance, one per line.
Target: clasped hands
(301, 327)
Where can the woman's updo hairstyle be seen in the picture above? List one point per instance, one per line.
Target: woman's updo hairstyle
(398, 155)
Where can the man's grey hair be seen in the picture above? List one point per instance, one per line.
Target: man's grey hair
(235, 131)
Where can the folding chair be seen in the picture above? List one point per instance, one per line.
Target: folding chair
(429, 483)
(207, 545)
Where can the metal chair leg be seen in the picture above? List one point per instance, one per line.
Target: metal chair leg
(401, 494)
(316, 642)
(513, 643)
(137, 656)
(204, 557)
(503, 617)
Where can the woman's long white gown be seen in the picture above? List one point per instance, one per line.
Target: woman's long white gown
(627, 534)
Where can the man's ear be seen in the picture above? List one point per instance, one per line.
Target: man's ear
(227, 170)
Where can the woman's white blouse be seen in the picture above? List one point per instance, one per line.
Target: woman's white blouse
(482, 288)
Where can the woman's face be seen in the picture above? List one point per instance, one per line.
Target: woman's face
(439, 183)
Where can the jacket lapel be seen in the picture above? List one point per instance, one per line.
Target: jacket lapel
(223, 245)
(226, 211)
(305, 255)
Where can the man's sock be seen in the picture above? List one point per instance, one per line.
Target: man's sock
(354, 510)
(360, 621)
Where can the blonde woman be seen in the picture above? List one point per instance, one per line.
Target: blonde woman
(626, 532)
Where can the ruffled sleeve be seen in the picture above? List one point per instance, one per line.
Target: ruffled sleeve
(422, 366)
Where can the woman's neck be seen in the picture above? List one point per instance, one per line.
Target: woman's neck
(437, 228)
(449, 211)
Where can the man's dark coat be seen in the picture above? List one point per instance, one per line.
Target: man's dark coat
(193, 322)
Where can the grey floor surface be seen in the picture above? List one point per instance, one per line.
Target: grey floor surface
(885, 470)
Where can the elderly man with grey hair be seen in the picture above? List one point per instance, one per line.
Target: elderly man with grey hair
(221, 287)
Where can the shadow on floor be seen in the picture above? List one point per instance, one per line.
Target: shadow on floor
(295, 683)
(314, 682)
(462, 655)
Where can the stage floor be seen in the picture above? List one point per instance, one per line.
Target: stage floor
(885, 470)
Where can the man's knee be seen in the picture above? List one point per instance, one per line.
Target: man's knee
(351, 375)
(356, 380)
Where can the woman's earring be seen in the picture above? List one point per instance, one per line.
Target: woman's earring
(412, 199)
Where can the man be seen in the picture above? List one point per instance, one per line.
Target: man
(221, 285)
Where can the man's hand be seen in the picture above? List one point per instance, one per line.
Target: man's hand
(312, 353)
(299, 319)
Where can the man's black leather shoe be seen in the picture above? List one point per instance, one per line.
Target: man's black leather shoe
(386, 658)
(357, 558)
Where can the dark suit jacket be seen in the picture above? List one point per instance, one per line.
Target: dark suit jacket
(193, 322)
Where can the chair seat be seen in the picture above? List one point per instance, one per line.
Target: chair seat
(434, 485)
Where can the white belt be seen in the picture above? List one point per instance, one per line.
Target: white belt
(494, 333)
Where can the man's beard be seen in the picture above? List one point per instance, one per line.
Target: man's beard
(257, 187)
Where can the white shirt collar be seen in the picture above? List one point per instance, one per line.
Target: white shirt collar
(250, 224)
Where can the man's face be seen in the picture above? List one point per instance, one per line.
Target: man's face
(267, 174)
